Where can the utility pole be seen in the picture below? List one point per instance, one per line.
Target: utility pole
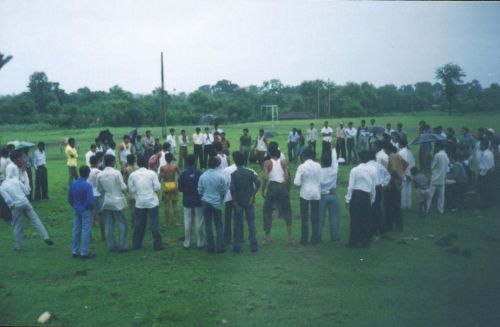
(329, 100)
(317, 116)
(162, 102)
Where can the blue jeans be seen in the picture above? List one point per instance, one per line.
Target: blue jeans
(110, 218)
(82, 226)
(210, 213)
(238, 228)
(141, 218)
(330, 203)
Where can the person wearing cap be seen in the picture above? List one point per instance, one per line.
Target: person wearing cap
(308, 178)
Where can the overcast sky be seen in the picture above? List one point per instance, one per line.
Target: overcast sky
(99, 44)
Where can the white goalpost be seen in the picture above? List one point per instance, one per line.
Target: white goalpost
(274, 112)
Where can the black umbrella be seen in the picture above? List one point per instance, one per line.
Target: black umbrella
(208, 119)
(425, 138)
(376, 129)
(270, 134)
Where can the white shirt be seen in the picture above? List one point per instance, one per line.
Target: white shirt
(327, 130)
(144, 184)
(13, 171)
(382, 158)
(110, 183)
(382, 176)
(350, 133)
(261, 144)
(227, 174)
(198, 139)
(171, 140)
(39, 158)
(92, 179)
(208, 138)
(181, 141)
(3, 166)
(110, 151)
(407, 156)
(223, 161)
(329, 175)
(14, 192)
(311, 135)
(361, 178)
(88, 155)
(163, 162)
(485, 161)
(308, 177)
(439, 168)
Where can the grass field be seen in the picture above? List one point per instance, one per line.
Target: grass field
(388, 284)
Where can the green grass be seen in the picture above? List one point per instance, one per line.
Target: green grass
(389, 284)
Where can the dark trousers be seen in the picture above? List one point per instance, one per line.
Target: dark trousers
(183, 152)
(211, 214)
(228, 217)
(326, 147)
(425, 159)
(292, 149)
(351, 153)
(340, 147)
(360, 211)
(312, 146)
(304, 217)
(279, 196)
(206, 153)
(245, 150)
(238, 228)
(377, 218)
(392, 205)
(454, 196)
(30, 180)
(41, 183)
(141, 218)
(486, 189)
(72, 174)
(5, 212)
(198, 155)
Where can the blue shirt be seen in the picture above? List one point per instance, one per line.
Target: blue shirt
(188, 185)
(81, 195)
(213, 187)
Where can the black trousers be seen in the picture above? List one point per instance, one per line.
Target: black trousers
(5, 212)
(312, 146)
(326, 147)
(41, 183)
(377, 218)
(206, 153)
(198, 155)
(30, 179)
(392, 205)
(292, 151)
(360, 211)
(351, 152)
(304, 216)
(341, 147)
(486, 189)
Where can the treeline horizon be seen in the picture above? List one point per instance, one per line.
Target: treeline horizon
(47, 103)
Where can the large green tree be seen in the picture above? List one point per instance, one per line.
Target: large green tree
(451, 76)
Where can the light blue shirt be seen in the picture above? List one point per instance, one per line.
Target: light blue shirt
(213, 187)
(14, 192)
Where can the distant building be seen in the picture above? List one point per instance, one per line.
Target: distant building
(296, 115)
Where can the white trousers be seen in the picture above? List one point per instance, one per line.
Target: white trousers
(18, 214)
(439, 189)
(195, 214)
(406, 194)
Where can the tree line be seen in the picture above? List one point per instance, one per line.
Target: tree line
(46, 102)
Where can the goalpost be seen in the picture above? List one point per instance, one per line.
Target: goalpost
(274, 112)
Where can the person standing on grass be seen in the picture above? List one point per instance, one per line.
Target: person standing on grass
(425, 150)
(326, 134)
(340, 145)
(245, 144)
(439, 168)
(486, 178)
(168, 173)
(308, 178)
(329, 201)
(350, 134)
(380, 155)
(407, 156)
(171, 139)
(382, 179)
(90, 153)
(72, 156)
(111, 185)
(26, 165)
(228, 205)
(212, 187)
(41, 180)
(92, 179)
(276, 180)
(191, 200)
(144, 186)
(261, 146)
(4, 161)
(208, 140)
(421, 182)
(16, 169)
(129, 169)
(455, 192)
(360, 196)
(14, 193)
(148, 144)
(292, 145)
(224, 161)
(311, 137)
(301, 141)
(125, 149)
(198, 148)
(362, 137)
(244, 185)
(183, 148)
(401, 133)
(392, 196)
(81, 199)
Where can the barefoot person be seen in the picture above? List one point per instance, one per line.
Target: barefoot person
(168, 172)
(14, 194)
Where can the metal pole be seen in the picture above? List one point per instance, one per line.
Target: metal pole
(162, 99)
(329, 100)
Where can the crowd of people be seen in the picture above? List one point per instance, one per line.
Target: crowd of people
(213, 180)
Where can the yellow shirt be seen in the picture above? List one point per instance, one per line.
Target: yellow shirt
(72, 155)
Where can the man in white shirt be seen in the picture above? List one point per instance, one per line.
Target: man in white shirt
(171, 139)
(329, 200)
(311, 137)
(486, 179)
(350, 134)
(308, 178)
(407, 156)
(4, 161)
(41, 181)
(198, 147)
(228, 204)
(382, 179)
(326, 134)
(361, 194)
(111, 185)
(90, 153)
(439, 168)
(183, 148)
(14, 194)
(208, 139)
(144, 184)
